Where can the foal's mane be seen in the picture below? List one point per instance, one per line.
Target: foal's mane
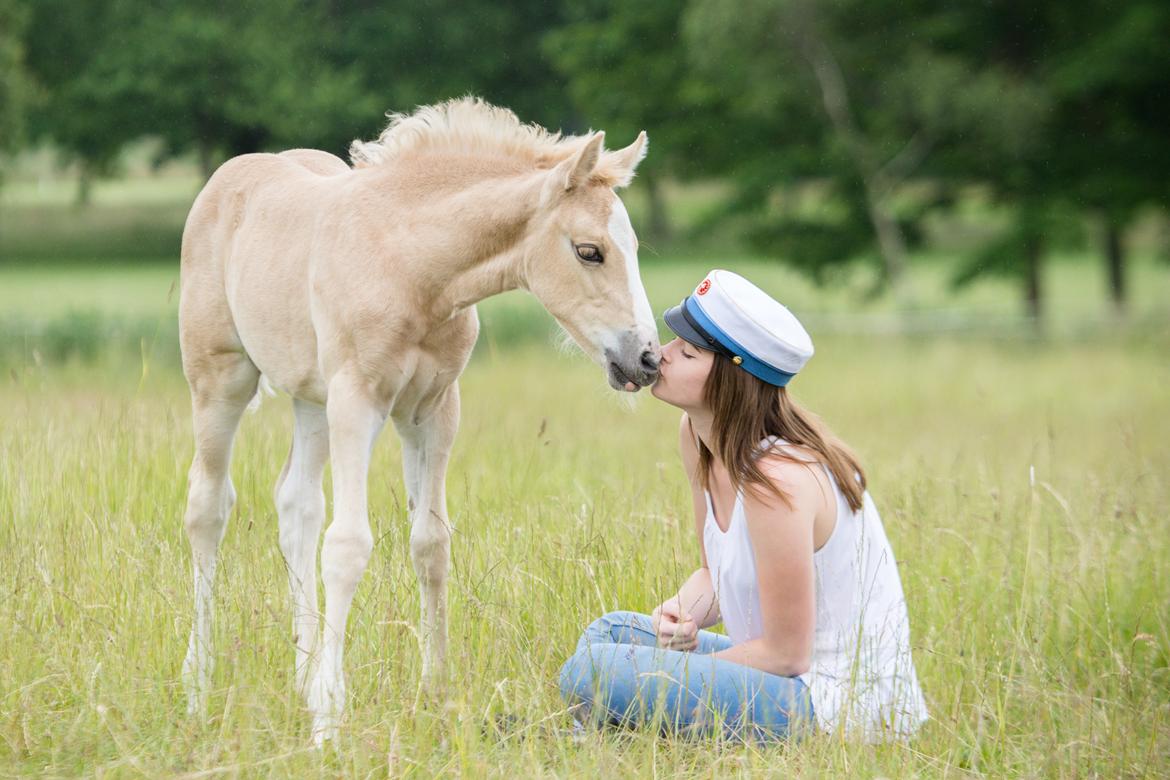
(473, 126)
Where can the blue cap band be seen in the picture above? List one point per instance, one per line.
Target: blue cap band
(751, 363)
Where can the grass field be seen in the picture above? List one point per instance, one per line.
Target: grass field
(1039, 610)
(1023, 482)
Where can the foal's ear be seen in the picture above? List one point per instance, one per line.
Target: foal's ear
(624, 162)
(575, 171)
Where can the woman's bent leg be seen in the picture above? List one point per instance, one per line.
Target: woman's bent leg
(710, 642)
(619, 628)
(639, 685)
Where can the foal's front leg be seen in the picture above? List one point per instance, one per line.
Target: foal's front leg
(355, 420)
(426, 448)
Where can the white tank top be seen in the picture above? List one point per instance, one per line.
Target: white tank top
(862, 676)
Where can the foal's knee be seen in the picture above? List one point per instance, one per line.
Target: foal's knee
(302, 513)
(430, 550)
(209, 502)
(345, 555)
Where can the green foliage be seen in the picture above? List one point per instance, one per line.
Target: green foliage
(15, 89)
(220, 78)
(887, 111)
(627, 71)
(418, 52)
(85, 108)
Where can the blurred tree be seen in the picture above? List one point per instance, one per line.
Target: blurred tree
(626, 71)
(1095, 73)
(1110, 73)
(1016, 165)
(854, 98)
(218, 78)
(417, 52)
(15, 88)
(227, 78)
(80, 109)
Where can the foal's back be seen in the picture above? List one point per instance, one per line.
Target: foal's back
(245, 266)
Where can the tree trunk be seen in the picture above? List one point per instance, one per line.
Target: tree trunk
(877, 182)
(890, 241)
(1115, 265)
(1033, 300)
(84, 186)
(660, 228)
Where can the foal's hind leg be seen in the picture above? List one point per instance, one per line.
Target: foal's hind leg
(300, 504)
(221, 387)
(426, 448)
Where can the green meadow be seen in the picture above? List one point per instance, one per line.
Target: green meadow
(1022, 478)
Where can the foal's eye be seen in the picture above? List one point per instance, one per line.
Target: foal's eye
(589, 253)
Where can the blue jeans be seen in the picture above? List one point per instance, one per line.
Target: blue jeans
(619, 675)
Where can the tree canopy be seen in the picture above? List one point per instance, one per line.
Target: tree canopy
(841, 126)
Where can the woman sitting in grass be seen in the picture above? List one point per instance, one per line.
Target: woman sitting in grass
(794, 558)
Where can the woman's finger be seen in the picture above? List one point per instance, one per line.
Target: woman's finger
(670, 638)
(667, 626)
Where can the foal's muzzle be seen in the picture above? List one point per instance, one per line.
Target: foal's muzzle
(638, 366)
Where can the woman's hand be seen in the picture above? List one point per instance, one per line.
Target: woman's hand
(675, 629)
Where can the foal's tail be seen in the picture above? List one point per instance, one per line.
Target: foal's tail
(263, 388)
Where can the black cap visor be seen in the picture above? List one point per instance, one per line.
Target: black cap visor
(685, 328)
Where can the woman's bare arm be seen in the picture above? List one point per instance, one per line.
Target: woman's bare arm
(782, 539)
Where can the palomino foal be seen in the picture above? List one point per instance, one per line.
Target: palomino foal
(353, 290)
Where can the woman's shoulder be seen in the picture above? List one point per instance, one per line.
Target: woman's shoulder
(781, 457)
(796, 471)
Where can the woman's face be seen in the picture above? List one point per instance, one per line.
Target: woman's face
(682, 374)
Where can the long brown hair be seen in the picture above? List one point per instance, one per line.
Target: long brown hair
(747, 410)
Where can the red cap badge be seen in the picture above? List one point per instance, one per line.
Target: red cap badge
(704, 287)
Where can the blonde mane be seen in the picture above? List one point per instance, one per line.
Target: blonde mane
(471, 125)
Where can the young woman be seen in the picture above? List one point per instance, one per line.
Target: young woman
(794, 560)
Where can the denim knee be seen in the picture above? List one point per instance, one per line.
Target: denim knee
(619, 617)
(576, 680)
(601, 630)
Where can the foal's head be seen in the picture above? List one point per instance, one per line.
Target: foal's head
(582, 262)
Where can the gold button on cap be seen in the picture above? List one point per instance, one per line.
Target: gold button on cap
(737, 360)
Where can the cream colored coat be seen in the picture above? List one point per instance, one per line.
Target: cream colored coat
(353, 290)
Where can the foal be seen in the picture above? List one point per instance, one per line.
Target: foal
(353, 290)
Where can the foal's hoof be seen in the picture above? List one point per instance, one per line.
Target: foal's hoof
(196, 683)
(326, 700)
(432, 692)
(323, 732)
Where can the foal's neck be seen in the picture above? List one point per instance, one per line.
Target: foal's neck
(483, 221)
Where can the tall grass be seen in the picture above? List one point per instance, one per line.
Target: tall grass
(1023, 485)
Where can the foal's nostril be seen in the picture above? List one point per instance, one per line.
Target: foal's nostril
(649, 361)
